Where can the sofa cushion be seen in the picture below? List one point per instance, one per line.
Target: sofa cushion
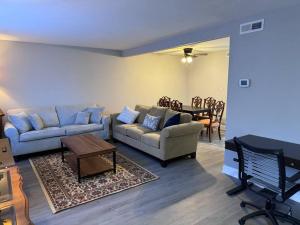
(122, 128)
(185, 118)
(128, 115)
(20, 121)
(96, 114)
(143, 111)
(48, 114)
(67, 113)
(158, 111)
(36, 121)
(136, 131)
(151, 139)
(80, 129)
(82, 118)
(48, 132)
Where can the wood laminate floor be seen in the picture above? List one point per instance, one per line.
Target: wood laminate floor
(189, 192)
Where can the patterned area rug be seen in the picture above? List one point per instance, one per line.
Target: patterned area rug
(62, 190)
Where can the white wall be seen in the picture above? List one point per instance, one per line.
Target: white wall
(41, 75)
(207, 77)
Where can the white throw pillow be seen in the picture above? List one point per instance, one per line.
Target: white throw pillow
(128, 115)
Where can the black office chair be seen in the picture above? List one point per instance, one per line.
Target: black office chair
(266, 169)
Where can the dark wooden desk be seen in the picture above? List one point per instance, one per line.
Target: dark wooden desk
(291, 151)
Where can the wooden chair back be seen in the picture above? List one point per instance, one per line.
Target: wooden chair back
(217, 111)
(164, 101)
(209, 102)
(176, 105)
(197, 102)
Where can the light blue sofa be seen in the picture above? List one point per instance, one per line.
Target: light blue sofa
(59, 121)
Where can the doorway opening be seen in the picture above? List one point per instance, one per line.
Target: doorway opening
(206, 69)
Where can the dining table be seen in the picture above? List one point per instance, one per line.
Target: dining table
(195, 110)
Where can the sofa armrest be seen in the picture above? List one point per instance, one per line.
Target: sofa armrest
(114, 120)
(181, 130)
(106, 124)
(11, 132)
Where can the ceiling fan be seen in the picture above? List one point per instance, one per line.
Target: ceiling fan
(189, 55)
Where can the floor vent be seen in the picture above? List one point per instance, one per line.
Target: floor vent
(253, 26)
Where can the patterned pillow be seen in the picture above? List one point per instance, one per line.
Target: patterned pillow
(151, 122)
(82, 118)
(20, 121)
(36, 121)
(128, 115)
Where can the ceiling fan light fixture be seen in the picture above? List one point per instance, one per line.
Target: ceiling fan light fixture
(183, 60)
(189, 59)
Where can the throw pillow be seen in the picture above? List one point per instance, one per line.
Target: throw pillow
(128, 115)
(174, 120)
(158, 111)
(20, 121)
(151, 122)
(143, 111)
(36, 121)
(96, 114)
(82, 118)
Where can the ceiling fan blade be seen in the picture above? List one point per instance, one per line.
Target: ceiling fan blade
(200, 54)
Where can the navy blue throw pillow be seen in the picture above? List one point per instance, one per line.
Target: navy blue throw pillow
(174, 120)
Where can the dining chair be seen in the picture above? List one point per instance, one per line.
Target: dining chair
(176, 105)
(164, 101)
(197, 102)
(266, 169)
(214, 119)
(208, 103)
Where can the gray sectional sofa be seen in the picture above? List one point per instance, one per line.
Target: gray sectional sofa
(59, 121)
(164, 144)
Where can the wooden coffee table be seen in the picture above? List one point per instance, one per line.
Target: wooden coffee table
(85, 157)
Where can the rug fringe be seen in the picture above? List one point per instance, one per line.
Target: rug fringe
(43, 187)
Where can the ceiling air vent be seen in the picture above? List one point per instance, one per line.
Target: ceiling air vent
(253, 26)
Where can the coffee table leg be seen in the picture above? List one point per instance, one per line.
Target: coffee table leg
(62, 152)
(114, 161)
(78, 170)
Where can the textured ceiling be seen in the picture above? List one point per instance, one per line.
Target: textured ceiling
(119, 24)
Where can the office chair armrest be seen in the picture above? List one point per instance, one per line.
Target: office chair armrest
(294, 178)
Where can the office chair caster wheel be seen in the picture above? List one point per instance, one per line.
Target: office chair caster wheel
(242, 222)
(242, 204)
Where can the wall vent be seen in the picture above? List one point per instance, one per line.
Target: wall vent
(253, 26)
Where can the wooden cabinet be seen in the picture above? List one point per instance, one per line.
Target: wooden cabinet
(19, 200)
(1, 123)
(13, 200)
